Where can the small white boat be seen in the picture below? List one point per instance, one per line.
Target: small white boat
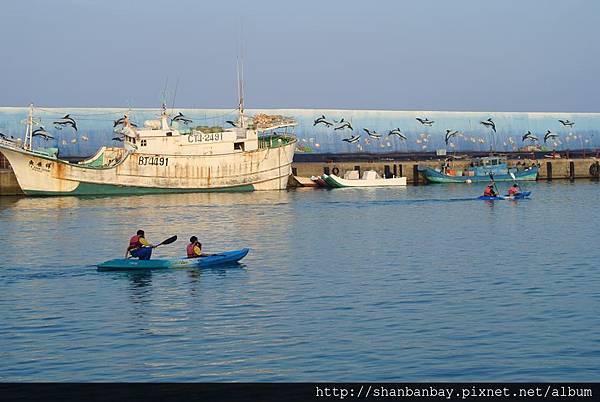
(370, 178)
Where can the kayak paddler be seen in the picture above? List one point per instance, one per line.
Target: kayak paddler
(489, 191)
(514, 190)
(139, 247)
(194, 249)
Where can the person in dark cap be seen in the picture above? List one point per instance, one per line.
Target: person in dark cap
(514, 190)
(489, 191)
(194, 249)
(139, 247)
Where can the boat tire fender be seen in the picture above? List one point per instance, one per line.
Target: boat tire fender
(595, 169)
(335, 171)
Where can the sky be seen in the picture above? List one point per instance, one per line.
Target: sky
(460, 55)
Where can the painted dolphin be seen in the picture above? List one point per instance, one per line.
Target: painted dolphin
(567, 123)
(425, 121)
(549, 134)
(352, 139)
(489, 123)
(397, 133)
(319, 120)
(345, 124)
(120, 121)
(180, 117)
(41, 132)
(372, 134)
(449, 135)
(529, 136)
(67, 120)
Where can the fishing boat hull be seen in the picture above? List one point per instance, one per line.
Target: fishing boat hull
(337, 182)
(521, 196)
(434, 176)
(122, 264)
(115, 171)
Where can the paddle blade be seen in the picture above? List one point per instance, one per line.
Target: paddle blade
(513, 176)
(169, 240)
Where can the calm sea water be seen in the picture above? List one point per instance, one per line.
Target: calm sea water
(420, 283)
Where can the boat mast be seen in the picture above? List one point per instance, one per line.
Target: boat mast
(164, 117)
(240, 74)
(27, 144)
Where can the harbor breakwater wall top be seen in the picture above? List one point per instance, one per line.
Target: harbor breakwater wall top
(453, 131)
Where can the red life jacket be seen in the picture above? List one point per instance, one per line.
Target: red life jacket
(488, 192)
(191, 253)
(513, 191)
(134, 243)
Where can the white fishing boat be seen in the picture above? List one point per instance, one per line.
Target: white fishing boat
(370, 178)
(162, 157)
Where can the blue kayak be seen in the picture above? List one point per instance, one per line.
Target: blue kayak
(521, 196)
(123, 264)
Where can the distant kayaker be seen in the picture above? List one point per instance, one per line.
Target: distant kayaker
(489, 191)
(139, 247)
(194, 249)
(514, 190)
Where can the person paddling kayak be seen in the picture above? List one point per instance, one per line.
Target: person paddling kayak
(489, 191)
(514, 190)
(194, 249)
(139, 247)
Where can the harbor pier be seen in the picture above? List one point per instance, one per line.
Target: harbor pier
(402, 166)
(549, 168)
(8, 181)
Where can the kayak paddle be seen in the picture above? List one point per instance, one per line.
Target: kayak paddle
(167, 241)
(494, 183)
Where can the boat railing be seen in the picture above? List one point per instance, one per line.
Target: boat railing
(274, 141)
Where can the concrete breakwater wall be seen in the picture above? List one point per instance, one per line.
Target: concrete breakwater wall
(8, 183)
(550, 169)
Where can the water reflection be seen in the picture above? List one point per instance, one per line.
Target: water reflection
(329, 273)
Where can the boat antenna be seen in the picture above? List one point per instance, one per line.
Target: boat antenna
(164, 93)
(240, 73)
(29, 130)
(174, 96)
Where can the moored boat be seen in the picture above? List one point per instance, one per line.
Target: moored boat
(479, 170)
(370, 178)
(164, 156)
(123, 264)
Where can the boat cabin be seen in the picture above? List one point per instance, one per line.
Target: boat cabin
(483, 166)
(160, 137)
(488, 164)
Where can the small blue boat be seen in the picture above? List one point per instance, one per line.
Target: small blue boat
(123, 264)
(479, 170)
(521, 196)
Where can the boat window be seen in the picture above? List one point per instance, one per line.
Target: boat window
(169, 134)
(143, 143)
(239, 146)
